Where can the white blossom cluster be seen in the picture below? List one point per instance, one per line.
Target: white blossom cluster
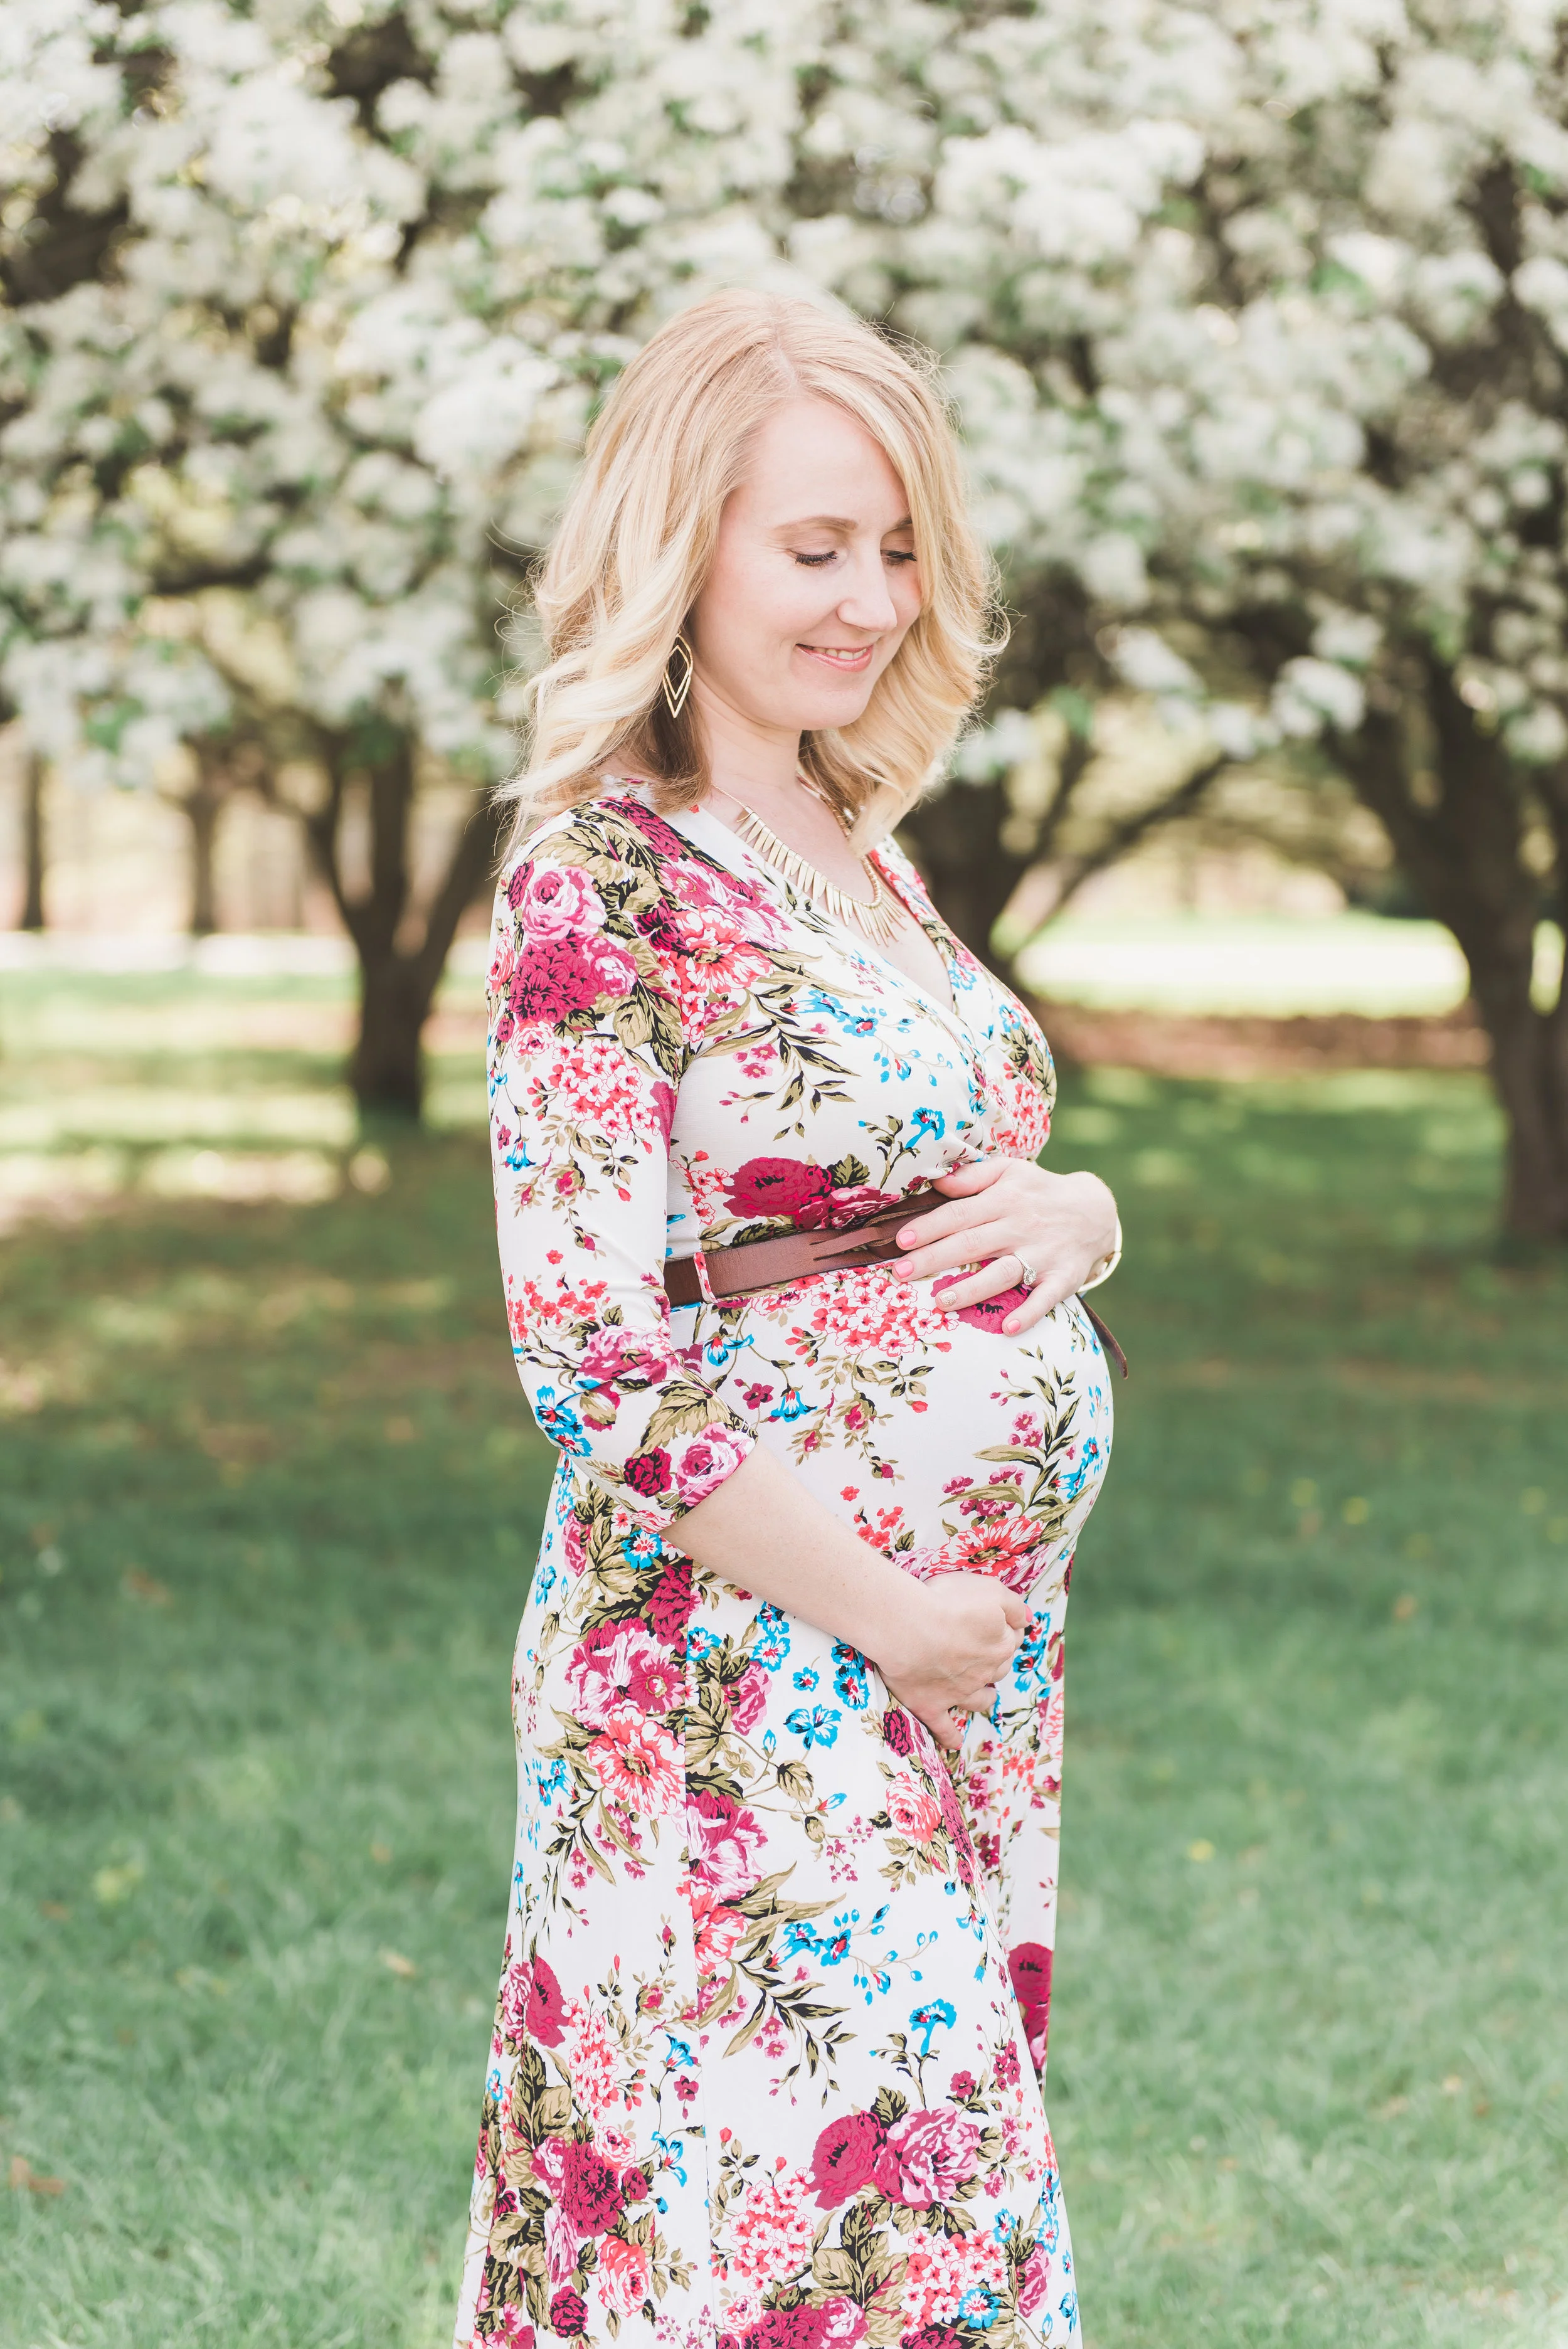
(1256, 314)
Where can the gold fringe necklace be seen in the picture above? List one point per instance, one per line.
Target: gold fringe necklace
(879, 919)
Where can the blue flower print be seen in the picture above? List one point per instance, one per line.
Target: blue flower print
(849, 1679)
(807, 1676)
(833, 1948)
(817, 1727)
(930, 1121)
(979, 2307)
(791, 1404)
(772, 1642)
(559, 1420)
(939, 2015)
(1029, 1655)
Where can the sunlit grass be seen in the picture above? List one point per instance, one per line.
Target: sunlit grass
(1348, 962)
(267, 1496)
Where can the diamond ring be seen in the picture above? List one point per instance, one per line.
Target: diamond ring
(1028, 1276)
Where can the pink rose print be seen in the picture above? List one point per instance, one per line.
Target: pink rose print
(725, 1843)
(648, 1473)
(619, 1666)
(567, 2314)
(843, 2324)
(700, 1463)
(531, 2002)
(914, 1810)
(589, 2190)
(672, 1598)
(776, 1187)
(748, 1698)
(853, 1206)
(639, 1765)
(1034, 2281)
(553, 979)
(617, 971)
(846, 2157)
(558, 902)
(624, 2270)
(612, 1353)
(927, 2156)
(719, 1930)
(1030, 1964)
(991, 1311)
(788, 2328)
(898, 1730)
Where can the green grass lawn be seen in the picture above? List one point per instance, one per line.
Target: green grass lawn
(267, 1503)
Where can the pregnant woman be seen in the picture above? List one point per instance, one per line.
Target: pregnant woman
(791, 1297)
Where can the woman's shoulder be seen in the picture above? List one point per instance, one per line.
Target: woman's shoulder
(614, 829)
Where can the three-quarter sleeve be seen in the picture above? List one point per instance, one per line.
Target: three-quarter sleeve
(586, 1052)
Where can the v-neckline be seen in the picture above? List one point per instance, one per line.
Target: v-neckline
(948, 1013)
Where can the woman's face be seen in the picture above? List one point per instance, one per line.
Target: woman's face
(814, 579)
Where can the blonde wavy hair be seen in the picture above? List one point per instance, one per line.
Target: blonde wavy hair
(636, 541)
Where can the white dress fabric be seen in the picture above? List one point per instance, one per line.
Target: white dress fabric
(765, 2070)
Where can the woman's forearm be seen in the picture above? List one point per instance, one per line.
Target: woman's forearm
(938, 1645)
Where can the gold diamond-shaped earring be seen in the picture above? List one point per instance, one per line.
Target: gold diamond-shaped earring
(678, 684)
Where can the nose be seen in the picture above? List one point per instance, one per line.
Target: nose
(866, 602)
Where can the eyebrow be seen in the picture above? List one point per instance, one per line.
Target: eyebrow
(840, 523)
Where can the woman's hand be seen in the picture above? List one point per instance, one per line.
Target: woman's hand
(942, 1657)
(1001, 1215)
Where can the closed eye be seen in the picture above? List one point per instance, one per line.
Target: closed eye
(815, 562)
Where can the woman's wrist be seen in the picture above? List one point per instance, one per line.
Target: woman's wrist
(1100, 1202)
(884, 1612)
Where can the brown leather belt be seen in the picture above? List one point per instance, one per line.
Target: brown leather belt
(790, 1257)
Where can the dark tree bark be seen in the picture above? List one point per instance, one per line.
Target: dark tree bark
(957, 839)
(397, 977)
(1462, 848)
(34, 844)
(204, 808)
(226, 765)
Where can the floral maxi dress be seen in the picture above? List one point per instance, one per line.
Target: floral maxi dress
(764, 2070)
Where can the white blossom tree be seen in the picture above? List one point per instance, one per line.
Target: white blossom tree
(1255, 313)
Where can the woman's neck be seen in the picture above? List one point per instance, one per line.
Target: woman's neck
(756, 765)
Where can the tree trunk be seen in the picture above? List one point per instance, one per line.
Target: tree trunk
(204, 807)
(386, 1067)
(1464, 854)
(956, 839)
(34, 844)
(397, 982)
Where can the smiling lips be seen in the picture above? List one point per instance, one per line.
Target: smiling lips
(839, 656)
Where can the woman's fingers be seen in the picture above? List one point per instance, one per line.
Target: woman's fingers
(977, 1243)
(965, 1181)
(1035, 1307)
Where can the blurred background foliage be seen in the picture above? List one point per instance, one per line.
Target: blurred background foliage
(1254, 317)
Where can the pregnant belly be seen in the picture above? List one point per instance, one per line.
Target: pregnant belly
(947, 1444)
